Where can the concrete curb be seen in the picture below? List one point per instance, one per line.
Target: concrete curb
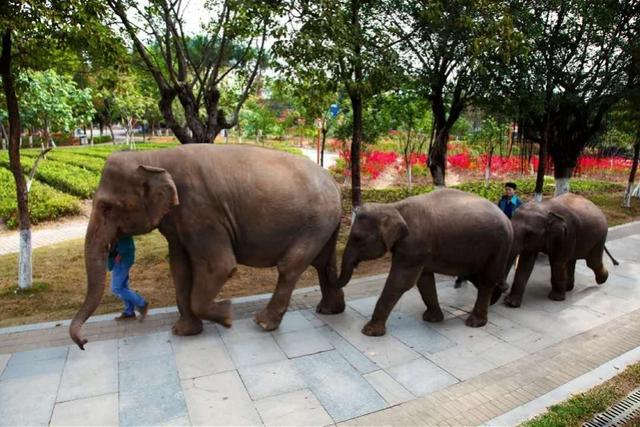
(172, 309)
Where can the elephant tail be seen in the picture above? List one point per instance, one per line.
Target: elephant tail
(613, 260)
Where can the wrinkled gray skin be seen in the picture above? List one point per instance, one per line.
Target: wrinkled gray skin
(566, 228)
(446, 231)
(217, 206)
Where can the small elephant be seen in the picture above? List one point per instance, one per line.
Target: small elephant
(566, 228)
(218, 206)
(446, 231)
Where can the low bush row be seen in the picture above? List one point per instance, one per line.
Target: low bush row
(45, 203)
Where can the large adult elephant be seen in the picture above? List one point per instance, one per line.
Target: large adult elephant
(217, 206)
(446, 231)
(566, 228)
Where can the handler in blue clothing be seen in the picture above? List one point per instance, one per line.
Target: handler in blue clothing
(120, 260)
(509, 202)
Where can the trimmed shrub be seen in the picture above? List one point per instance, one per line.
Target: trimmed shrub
(45, 203)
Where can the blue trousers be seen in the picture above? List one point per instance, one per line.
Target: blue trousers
(120, 288)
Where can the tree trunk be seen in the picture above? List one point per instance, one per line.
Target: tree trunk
(91, 134)
(25, 278)
(632, 174)
(113, 137)
(356, 143)
(437, 157)
(562, 184)
(487, 170)
(322, 144)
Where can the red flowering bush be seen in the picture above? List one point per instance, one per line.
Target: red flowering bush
(460, 160)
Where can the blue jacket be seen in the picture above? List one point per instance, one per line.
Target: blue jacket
(127, 251)
(509, 205)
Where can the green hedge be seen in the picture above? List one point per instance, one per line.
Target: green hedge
(66, 178)
(45, 203)
(494, 192)
(90, 163)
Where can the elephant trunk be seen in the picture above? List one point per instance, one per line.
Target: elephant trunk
(96, 250)
(346, 271)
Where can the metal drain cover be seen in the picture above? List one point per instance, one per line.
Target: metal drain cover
(620, 413)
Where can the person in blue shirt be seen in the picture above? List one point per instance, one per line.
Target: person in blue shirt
(120, 261)
(509, 202)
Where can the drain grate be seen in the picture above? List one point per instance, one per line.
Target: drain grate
(620, 413)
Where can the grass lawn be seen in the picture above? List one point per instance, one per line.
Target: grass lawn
(61, 281)
(582, 407)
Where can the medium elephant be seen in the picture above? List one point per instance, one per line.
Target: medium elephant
(566, 228)
(217, 206)
(446, 231)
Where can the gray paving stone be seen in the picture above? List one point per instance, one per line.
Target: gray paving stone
(4, 359)
(150, 391)
(303, 342)
(255, 351)
(157, 406)
(38, 355)
(28, 401)
(271, 379)
(339, 387)
(417, 334)
(200, 355)
(384, 351)
(18, 368)
(293, 321)
(392, 391)
(348, 352)
(93, 411)
(144, 346)
(28, 386)
(421, 376)
(312, 318)
(219, 399)
(461, 362)
(364, 306)
(298, 408)
(100, 364)
(241, 330)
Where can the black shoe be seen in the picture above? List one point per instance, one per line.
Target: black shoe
(125, 316)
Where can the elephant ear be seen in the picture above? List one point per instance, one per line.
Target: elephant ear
(393, 228)
(559, 235)
(159, 192)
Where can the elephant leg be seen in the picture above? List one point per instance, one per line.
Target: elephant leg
(571, 274)
(427, 288)
(188, 323)
(332, 301)
(525, 266)
(210, 273)
(289, 271)
(478, 316)
(401, 279)
(558, 280)
(594, 262)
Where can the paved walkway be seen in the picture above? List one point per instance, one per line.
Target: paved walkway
(320, 370)
(48, 235)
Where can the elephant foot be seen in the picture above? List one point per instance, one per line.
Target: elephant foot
(512, 301)
(333, 305)
(374, 329)
(570, 286)
(556, 296)
(222, 313)
(601, 276)
(184, 327)
(267, 320)
(433, 316)
(476, 320)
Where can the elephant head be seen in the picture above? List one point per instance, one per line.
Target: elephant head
(376, 228)
(539, 229)
(132, 198)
